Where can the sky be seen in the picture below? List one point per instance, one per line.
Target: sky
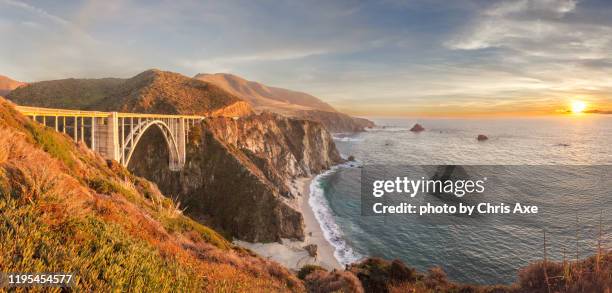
(376, 58)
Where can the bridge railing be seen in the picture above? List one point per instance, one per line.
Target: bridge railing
(30, 111)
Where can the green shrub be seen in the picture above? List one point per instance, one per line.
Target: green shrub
(106, 186)
(307, 269)
(184, 224)
(47, 139)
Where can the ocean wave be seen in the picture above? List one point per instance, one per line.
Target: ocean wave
(322, 212)
(346, 139)
(388, 129)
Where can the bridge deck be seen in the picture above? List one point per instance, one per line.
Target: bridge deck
(38, 111)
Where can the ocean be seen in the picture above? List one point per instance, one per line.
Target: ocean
(492, 252)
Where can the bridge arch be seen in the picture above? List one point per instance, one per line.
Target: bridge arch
(133, 138)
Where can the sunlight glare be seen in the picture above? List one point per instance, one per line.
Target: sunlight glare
(578, 107)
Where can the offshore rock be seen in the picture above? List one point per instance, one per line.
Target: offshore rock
(417, 128)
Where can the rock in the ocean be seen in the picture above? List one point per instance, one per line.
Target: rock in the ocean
(351, 158)
(417, 128)
(482, 137)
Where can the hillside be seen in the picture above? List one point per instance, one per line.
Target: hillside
(64, 209)
(164, 92)
(265, 97)
(69, 93)
(152, 91)
(286, 102)
(7, 85)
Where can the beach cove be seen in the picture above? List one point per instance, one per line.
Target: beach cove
(291, 253)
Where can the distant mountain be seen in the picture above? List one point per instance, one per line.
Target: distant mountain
(152, 91)
(164, 92)
(286, 102)
(265, 97)
(7, 85)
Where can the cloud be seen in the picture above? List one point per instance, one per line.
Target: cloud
(539, 8)
(39, 45)
(36, 10)
(541, 28)
(597, 111)
(510, 22)
(227, 63)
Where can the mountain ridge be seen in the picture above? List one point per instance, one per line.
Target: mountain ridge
(286, 102)
(151, 91)
(262, 96)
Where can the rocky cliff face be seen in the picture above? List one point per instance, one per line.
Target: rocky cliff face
(291, 147)
(237, 172)
(237, 109)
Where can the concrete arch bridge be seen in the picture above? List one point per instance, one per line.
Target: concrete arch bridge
(115, 135)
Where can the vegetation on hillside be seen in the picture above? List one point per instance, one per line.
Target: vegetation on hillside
(164, 92)
(63, 208)
(263, 96)
(593, 274)
(286, 102)
(152, 91)
(65, 93)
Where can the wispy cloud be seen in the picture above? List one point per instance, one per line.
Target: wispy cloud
(228, 63)
(36, 10)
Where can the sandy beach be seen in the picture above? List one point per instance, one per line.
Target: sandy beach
(291, 253)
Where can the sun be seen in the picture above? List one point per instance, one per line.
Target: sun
(578, 107)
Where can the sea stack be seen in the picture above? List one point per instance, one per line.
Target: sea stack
(482, 137)
(417, 128)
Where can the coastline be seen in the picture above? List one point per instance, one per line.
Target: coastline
(291, 253)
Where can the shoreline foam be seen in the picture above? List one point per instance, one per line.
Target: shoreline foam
(332, 233)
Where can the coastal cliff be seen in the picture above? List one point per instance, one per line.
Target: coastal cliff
(335, 121)
(238, 172)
